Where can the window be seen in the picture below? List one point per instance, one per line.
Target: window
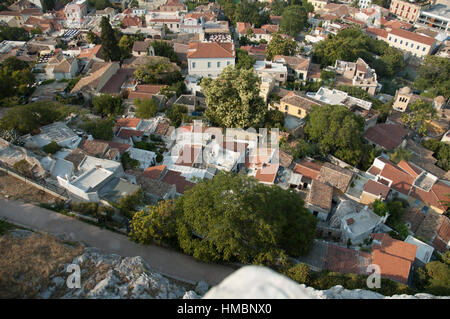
(418, 47)
(193, 65)
(390, 38)
(423, 49)
(406, 43)
(209, 64)
(395, 40)
(412, 45)
(228, 62)
(286, 108)
(299, 112)
(401, 41)
(218, 64)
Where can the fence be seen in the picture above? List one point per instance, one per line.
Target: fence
(50, 189)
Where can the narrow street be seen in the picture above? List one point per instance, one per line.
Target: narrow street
(165, 261)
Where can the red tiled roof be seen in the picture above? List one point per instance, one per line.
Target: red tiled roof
(128, 122)
(267, 173)
(175, 178)
(308, 169)
(388, 136)
(90, 53)
(242, 27)
(401, 181)
(396, 247)
(412, 36)
(124, 133)
(376, 189)
(189, 155)
(211, 50)
(120, 146)
(411, 169)
(379, 32)
(154, 172)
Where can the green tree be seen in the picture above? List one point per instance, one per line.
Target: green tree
(13, 34)
(434, 76)
(327, 76)
(51, 148)
(235, 218)
(419, 113)
(244, 60)
(126, 46)
(379, 207)
(93, 38)
(48, 5)
(277, 7)
(107, 105)
(159, 70)
(163, 48)
(340, 132)
(101, 129)
(128, 162)
(155, 224)
(233, 99)
(145, 108)
(300, 273)
(401, 154)
(176, 114)
(110, 47)
(130, 203)
(294, 20)
(280, 46)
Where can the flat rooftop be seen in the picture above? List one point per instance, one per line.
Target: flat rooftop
(91, 179)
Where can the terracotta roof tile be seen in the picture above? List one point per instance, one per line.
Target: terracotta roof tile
(320, 195)
(308, 169)
(211, 50)
(376, 189)
(154, 172)
(389, 136)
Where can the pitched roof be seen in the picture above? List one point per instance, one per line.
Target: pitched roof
(344, 260)
(335, 176)
(401, 180)
(377, 189)
(154, 172)
(211, 50)
(91, 52)
(175, 178)
(299, 101)
(379, 32)
(308, 169)
(125, 133)
(94, 147)
(294, 62)
(412, 36)
(91, 80)
(121, 147)
(128, 122)
(267, 173)
(320, 195)
(388, 136)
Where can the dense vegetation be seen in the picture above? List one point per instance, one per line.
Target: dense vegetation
(16, 80)
(233, 99)
(419, 113)
(351, 44)
(110, 45)
(434, 277)
(158, 71)
(145, 108)
(280, 46)
(338, 131)
(441, 152)
(13, 34)
(108, 105)
(434, 76)
(263, 224)
(101, 129)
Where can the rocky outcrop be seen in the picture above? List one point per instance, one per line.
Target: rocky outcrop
(255, 282)
(110, 276)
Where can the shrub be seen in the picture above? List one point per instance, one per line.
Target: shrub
(300, 273)
(51, 148)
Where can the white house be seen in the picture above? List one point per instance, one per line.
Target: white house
(208, 59)
(424, 251)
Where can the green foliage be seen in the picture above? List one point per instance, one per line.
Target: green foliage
(107, 105)
(29, 117)
(51, 148)
(163, 48)
(277, 7)
(5, 227)
(244, 60)
(262, 223)
(294, 20)
(23, 167)
(434, 76)
(110, 46)
(434, 278)
(16, 79)
(379, 207)
(352, 43)
(419, 113)
(359, 93)
(299, 273)
(126, 46)
(401, 154)
(233, 99)
(130, 203)
(13, 34)
(155, 224)
(301, 149)
(145, 146)
(280, 46)
(340, 132)
(274, 118)
(158, 71)
(441, 152)
(250, 12)
(145, 108)
(93, 38)
(101, 129)
(128, 162)
(176, 114)
(100, 4)
(48, 5)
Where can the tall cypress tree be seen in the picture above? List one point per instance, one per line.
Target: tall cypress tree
(110, 46)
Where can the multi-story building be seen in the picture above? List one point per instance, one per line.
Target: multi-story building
(318, 4)
(405, 10)
(415, 44)
(75, 12)
(208, 59)
(359, 73)
(436, 17)
(364, 4)
(170, 20)
(275, 70)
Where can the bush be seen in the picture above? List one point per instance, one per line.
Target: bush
(51, 148)
(23, 167)
(300, 273)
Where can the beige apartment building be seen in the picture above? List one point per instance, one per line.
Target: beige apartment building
(416, 44)
(406, 10)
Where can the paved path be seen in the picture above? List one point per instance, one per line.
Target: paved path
(165, 261)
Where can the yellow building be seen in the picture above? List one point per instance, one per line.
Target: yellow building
(296, 105)
(318, 4)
